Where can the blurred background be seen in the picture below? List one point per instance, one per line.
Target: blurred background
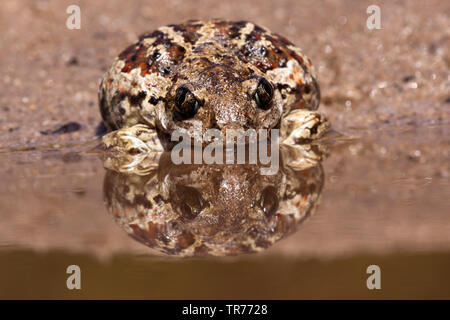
(386, 197)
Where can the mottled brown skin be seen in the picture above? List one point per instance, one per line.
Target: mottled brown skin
(201, 210)
(221, 63)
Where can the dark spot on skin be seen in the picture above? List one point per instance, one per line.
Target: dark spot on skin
(163, 39)
(137, 100)
(145, 236)
(239, 248)
(122, 111)
(187, 31)
(283, 40)
(126, 189)
(127, 52)
(186, 239)
(227, 30)
(158, 200)
(253, 36)
(165, 70)
(240, 23)
(154, 34)
(258, 29)
(134, 57)
(219, 24)
(245, 248)
(190, 37)
(144, 69)
(65, 128)
(205, 60)
(117, 99)
(202, 251)
(234, 32)
(263, 243)
(153, 58)
(447, 100)
(281, 86)
(142, 200)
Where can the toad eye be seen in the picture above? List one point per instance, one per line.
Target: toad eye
(264, 94)
(186, 104)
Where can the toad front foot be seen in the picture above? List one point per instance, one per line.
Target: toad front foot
(299, 129)
(136, 149)
(303, 126)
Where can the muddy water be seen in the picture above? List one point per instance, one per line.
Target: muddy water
(381, 197)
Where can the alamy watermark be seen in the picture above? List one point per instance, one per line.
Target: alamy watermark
(231, 150)
(374, 20)
(74, 20)
(74, 280)
(374, 280)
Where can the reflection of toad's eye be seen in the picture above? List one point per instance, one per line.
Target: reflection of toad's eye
(186, 104)
(264, 94)
(269, 201)
(191, 202)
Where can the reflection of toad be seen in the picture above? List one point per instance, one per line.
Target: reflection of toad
(191, 210)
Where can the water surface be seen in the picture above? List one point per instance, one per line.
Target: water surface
(384, 201)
